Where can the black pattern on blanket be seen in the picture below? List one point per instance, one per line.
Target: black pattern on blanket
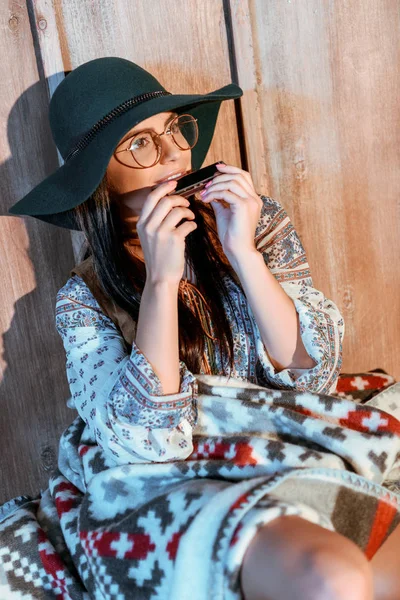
(180, 529)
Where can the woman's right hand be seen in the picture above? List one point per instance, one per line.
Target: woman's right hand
(162, 242)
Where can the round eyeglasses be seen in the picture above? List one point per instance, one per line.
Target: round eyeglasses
(144, 148)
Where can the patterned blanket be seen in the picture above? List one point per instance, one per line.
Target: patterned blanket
(180, 529)
(363, 386)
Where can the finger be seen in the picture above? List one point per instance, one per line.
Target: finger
(187, 227)
(175, 216)
(239, 177)
(233, 186)
(233, 169)
(154, 197)
(162, 209)
(232, 199)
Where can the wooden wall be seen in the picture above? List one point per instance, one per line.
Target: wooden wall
(318, 128)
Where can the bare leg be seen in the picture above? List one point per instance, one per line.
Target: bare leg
(293, 558)
(386, 568)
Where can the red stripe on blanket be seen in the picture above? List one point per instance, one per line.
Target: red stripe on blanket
(240, 453)
(385, 513)
(67, 496)
(370, 420)
(172, 546)
(117, 545)
(363, 381)
(82, 449)
(235, 536)
(239, 502)
(53, 565)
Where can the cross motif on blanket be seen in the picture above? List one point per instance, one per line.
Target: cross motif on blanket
(113, 488)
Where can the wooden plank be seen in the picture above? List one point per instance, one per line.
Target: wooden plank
(33, 261)
(322, 83)
(37, 257)
(189, 50)
(248, 79)
(54, 53)
(321, 135)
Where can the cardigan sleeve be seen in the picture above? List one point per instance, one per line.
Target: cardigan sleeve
(117, 393)
(321, 324)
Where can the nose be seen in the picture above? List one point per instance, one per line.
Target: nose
(169, 150)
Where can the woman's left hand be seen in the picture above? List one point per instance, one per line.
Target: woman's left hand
(237, 209)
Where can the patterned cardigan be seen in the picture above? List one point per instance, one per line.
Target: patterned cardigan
(119, 396)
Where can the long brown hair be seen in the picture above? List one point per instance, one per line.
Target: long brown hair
(122, 275)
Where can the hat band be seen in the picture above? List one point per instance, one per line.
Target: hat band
(115, 112)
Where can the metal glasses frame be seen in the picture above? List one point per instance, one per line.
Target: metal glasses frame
(156, 138)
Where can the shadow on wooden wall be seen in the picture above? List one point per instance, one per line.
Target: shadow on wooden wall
(37, 258)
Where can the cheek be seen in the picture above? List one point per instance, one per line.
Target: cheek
(114, 175)
(123, 179)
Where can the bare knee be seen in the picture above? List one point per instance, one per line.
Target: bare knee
(345, 575)
(293, 558)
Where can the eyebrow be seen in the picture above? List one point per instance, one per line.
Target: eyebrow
(129, 135)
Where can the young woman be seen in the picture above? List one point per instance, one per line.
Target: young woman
(169, 288)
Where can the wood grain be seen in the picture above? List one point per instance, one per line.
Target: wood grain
(322, 132)
(189, 52)
(33, 261)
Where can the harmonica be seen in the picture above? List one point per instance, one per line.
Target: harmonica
(194, 181)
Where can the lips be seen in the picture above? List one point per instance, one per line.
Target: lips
(174, 175)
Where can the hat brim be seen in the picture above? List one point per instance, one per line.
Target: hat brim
(74, 182)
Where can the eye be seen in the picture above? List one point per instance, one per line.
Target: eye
(139, 142)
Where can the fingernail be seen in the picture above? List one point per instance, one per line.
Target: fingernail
(203, 192)
(207, 184)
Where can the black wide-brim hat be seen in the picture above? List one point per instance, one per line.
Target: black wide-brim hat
(90, 111)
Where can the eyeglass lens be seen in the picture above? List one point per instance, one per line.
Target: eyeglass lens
(144, 147)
